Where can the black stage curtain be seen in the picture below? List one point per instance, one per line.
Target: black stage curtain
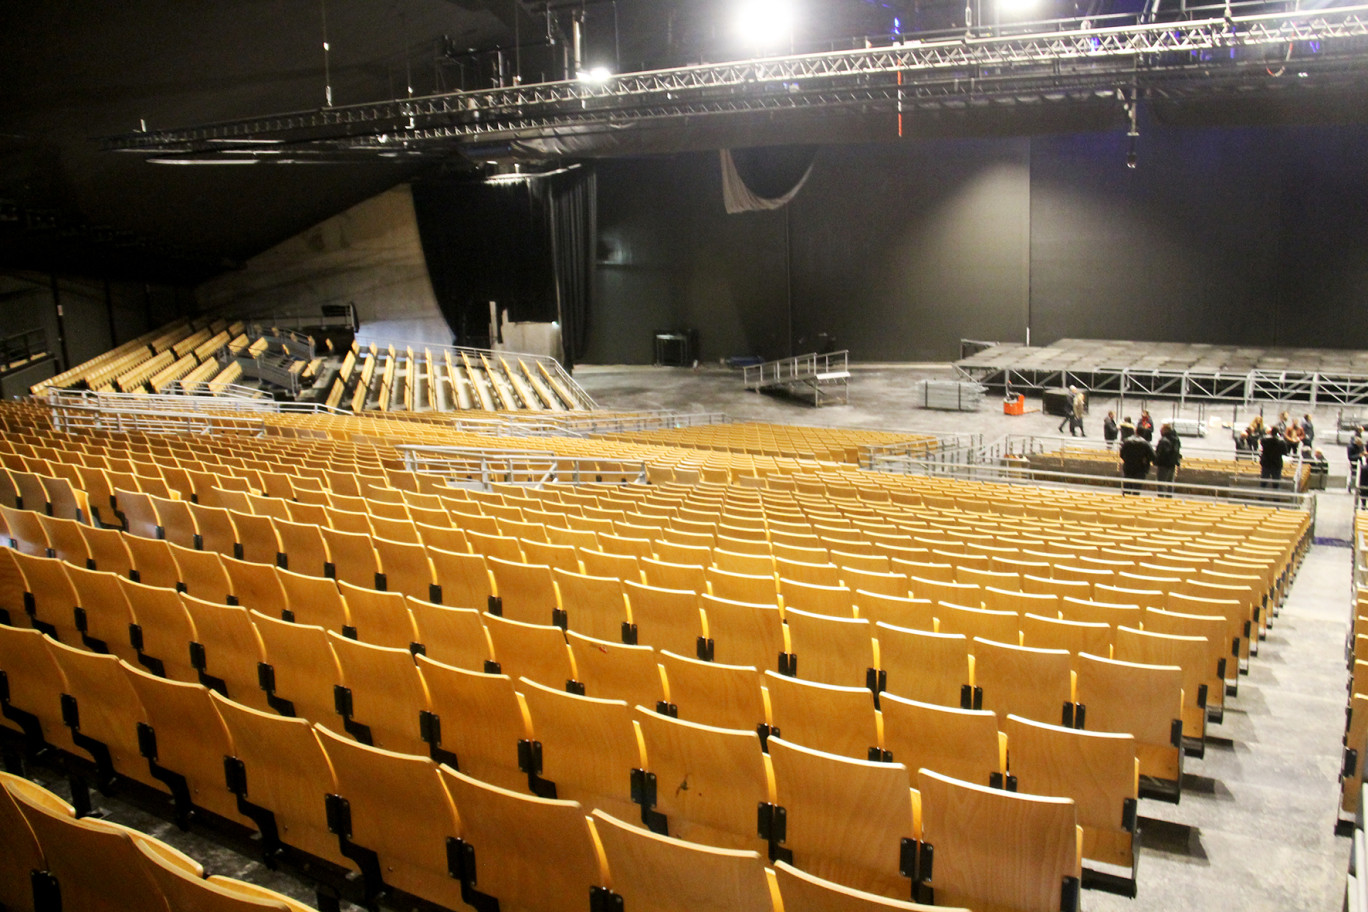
(525, 244)
(574, 231)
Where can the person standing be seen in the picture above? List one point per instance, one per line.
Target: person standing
(1109, 429)
(1073, 415)
(1271, 455)
(1136, 458)
(1308, 432)
(1126, 429)
(1168, 453)
(1145, 426)
(1068, 412)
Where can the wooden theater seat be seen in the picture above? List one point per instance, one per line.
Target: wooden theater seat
(844, 819)
(963, 743)
(649, 871)
(996, 850)
(395, 808)
(476, 723)
(380, 695)
(528, 853)
(707, 782)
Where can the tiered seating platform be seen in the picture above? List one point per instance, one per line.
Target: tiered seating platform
(432, 685)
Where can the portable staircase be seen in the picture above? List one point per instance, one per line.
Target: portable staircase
(823, 378)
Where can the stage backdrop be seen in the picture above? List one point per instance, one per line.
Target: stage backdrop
(898, 250)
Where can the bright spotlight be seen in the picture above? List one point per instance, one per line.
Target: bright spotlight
(596, 75)
(765, 22)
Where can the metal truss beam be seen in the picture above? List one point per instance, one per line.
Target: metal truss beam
(1213, 386)
(1327, 47)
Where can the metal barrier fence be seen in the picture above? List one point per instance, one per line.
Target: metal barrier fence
(77, 417)
(478, 467)
(960, 449)
(1015, 469)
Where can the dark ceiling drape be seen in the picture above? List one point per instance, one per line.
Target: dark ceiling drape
(524, 244)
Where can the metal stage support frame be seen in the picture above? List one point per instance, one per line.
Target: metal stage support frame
(1313, 387)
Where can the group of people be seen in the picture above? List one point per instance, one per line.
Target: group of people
(1144, 428)
(1272, 443)
(1297, 436)
(1137, 453)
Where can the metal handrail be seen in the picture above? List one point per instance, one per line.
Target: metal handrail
(76, 417)
(944, 447)
(22, 346)
(200, 399)
(1015, 470)
(483, 468)
(799, 367)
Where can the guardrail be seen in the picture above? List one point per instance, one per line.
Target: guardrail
(545, 424)
(75, 417)
(220, 390)
(201, 401)
(796, 369)
(479, 467)
(1014, 469)
(642, 421)
(948, 448)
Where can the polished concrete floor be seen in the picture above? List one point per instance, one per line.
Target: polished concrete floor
(1255, 829)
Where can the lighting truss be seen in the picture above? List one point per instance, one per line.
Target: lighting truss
(1318, 49)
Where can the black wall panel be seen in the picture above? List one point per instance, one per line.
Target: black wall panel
(669, 257)
(902, 249)
(1254, 236)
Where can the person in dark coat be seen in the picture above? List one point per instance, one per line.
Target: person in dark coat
(1109, 429)
(1168, 453)
(1136, 458)
(1271, 454)
(1145, 426)
(1126, 429)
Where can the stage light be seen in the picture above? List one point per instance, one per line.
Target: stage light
(765, 23)
(596, 75)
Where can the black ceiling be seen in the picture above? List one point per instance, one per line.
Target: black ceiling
(75, 70)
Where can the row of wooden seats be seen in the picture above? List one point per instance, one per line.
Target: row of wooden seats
(533, 593)
(866, 558)
(290, 767)
(970, 620)
(88, 370)
(54, 859)
(1356, 705)
(155, 627)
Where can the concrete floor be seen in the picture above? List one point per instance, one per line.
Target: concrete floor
(1255, 829)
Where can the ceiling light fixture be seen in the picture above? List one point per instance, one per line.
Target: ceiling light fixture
(765, 23)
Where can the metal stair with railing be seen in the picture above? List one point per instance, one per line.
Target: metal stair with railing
(823, 378)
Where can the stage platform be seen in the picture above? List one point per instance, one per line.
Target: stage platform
(1214, 373)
